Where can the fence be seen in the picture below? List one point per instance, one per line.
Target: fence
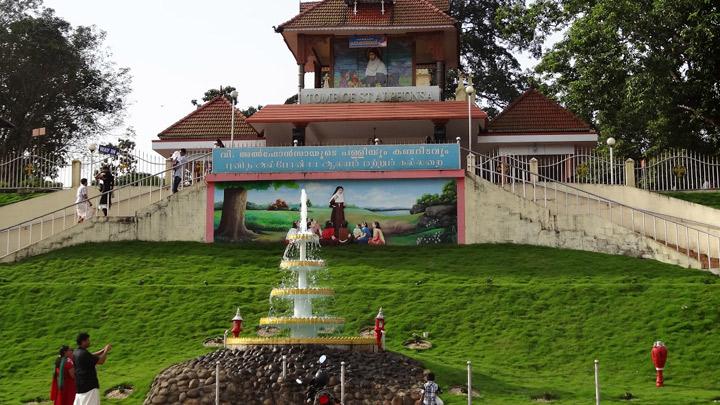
(679, 170)
(586, 166)
(695, 243)
(52, 172)
(124, 200)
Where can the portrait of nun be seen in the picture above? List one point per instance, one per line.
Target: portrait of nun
(337, 203)
(375, 72)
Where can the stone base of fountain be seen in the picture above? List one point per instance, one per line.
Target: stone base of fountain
(254, 376)
(354, 344)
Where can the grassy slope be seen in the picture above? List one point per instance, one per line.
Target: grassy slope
(531, 319)
(10, 198)
(711, 199)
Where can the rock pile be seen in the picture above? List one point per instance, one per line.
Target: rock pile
(254, 376)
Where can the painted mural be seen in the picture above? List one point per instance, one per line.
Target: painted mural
(389, 66)
(372, 212)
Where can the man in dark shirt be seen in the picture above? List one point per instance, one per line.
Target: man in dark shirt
(88, 387)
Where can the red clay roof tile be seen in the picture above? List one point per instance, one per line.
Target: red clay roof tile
(211, 121)
(532, 113)
(306, 113)
(400, 13)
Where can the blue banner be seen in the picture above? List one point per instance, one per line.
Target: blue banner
(337, 158)
(367, 41)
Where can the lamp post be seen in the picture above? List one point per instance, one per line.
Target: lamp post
(470, 90)
(611, 142)
(233, 96)
(92, 147)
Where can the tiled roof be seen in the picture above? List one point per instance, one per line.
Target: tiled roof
(401, 13)
(307, 4)
(443, 5)
(211, 121)
(306, 113)
(532, 112)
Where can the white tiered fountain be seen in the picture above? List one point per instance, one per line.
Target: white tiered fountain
(302, 259)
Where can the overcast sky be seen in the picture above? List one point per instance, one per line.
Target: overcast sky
(177, 49)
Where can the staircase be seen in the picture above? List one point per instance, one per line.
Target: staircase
(530, 209)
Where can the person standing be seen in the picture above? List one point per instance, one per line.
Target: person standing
(337, 203)
(86, 381)
(178, 169)
(107, 183)
(375, 72)
(430, 391)
(84, 207)
(62, 391)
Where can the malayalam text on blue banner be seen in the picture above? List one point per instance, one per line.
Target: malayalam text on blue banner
(337, 158)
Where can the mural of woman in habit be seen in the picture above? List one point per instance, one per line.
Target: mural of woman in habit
(375, 72)
(337, 203)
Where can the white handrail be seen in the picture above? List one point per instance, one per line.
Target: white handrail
(703, 244)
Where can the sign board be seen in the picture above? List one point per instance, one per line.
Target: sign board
(38, 131)
(108, 150)
(369, 95)
(337, 158)
(368, 41)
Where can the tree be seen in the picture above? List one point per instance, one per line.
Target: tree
(644, 72)
(222, 91)
(232, 220)
(485, 49)
(251, 110)
(55, 76)
(225, 91)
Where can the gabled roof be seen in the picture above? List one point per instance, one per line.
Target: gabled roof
(5, 123)
(400, 13)
(533, 113)
(421, 111)
(211, 121)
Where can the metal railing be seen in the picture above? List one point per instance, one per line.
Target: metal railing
(679, 170)
(586, 167)
(125, 200)
(693, 242)
(27, 171)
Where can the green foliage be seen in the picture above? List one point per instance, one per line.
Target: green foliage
(448, 196)
(639, 70)
(247, 112)
(536, 328)
(483, 49)
(224, 91)
(11, 198)
(56, 76)
(711, 199)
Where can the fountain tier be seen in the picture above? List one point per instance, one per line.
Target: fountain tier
(301, 259)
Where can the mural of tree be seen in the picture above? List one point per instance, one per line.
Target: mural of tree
(232, 221)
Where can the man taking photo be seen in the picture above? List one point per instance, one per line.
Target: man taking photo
(88, 387)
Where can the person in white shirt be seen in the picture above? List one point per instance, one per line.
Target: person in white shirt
(178, 169)
(83, 208)
(375, 72)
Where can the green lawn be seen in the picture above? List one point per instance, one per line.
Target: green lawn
(711, 199)
(532, 320)
(10, 198)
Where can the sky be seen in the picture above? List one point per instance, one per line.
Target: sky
(178, 49)
(362, 193)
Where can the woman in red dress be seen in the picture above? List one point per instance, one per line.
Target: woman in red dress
(62, 391)
(378, 238)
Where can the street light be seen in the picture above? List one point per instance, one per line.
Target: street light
(234, 96)
(92, 147)
(470, 90)
(611, 142)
